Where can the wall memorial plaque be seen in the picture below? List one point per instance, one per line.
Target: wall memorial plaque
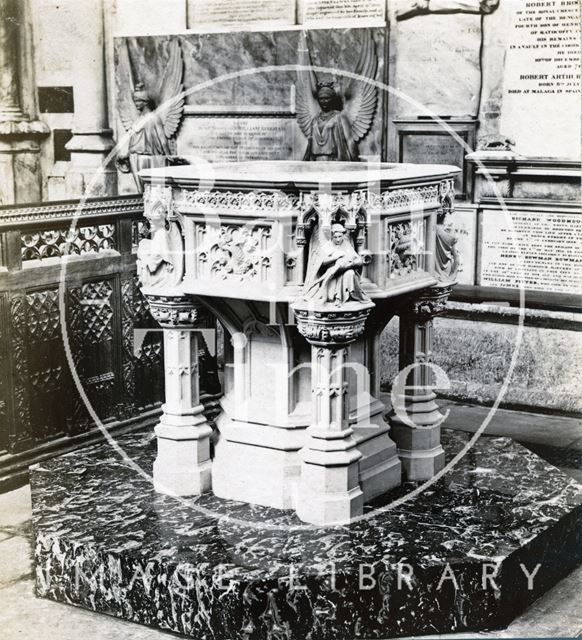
(436, 63)
(316, 10)
(423, 141)
(550, 245)
(541, 90)
(236, 138)
(205, 12)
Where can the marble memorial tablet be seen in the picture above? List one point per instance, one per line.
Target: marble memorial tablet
(550, 245)
(426, 148)
(425, 47)
(314, 10)
(231, 138)
(205, 12)
(542, 79)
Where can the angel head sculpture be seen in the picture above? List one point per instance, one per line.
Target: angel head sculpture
(151, 115)
(141, 99)
(334, 119)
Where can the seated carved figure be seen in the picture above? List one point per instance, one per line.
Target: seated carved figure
(334, 271)
(447, 256)
(159, 259)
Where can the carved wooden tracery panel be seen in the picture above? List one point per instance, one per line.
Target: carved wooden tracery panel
(55, 243)
(93, 332)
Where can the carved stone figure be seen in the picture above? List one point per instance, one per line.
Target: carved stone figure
(333, 272)
(152, 116)
(334, 121)
(403, 249)
(446, 253)
(409, 8)
(160, 260)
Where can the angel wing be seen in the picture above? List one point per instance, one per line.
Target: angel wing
(361, 97)
(171, 106)
(128, 113)
(306, 90)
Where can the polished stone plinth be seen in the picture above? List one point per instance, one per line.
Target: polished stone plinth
(211, 568)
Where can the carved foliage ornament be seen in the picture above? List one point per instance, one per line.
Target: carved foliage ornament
(330, 329)
(326, 205)
(237, 252)
(431, 302)
(173, 312)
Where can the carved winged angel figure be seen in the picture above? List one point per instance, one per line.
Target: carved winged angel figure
(332, 120)
(151, 115)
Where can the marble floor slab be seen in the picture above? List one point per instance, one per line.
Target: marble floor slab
(454, 557)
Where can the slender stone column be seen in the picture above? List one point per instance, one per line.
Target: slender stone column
(329, 489)
(10, 25)
(183, 465)
(20, 133)
(415, 419)
(92, 139)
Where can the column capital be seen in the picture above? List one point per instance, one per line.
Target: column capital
(331, 326)
(429, 303)
(174, 312)
(22, 128)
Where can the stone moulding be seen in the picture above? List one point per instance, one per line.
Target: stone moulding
(67, 211)
(215, 201)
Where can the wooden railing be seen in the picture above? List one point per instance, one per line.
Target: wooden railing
(74, 262)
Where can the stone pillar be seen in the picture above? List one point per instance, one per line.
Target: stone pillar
(329, 489)
(20, 134)
(415, 418)
(183, 465)
(92, 139)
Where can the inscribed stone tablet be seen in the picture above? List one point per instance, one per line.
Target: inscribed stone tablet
(550, 246)
(314, 10)
(437, 64)
(204, 12)
(541, 87)
(421, 148)
(231, 139)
